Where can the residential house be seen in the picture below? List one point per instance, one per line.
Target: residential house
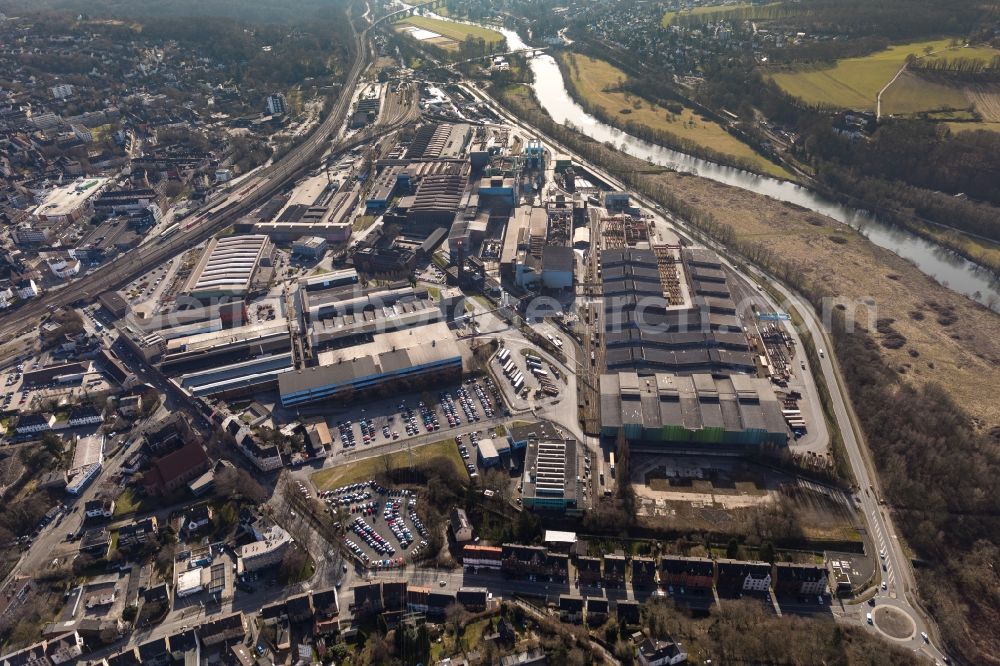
(138, 533)
(155, 652)
(27, 289)
(273, 613)
(627, 611)
(267, 552)
(99, 508)
(64, 649)
(368, 598)
(800, 579)
(96, 542)
(661, 652)
(85, 415)
(94, 630)
(185, 645)
(169, 434)
(417, 598)
(393, 596)
(196, 518)
(556, 567)
(130, 406)
(438, 603)
(158, 594)
(265, 457)
(597, 611)
(736, 577)
(588, 570)
(482, 557)
(571, 608)
(461, 528)
(299, 607)
(524, 561)
(682, 575)
(33, 655)
(473, 598)
(35, 423)
(614, 570)
(230, 628)
(127, 657)
(326, 612)
(643, 572)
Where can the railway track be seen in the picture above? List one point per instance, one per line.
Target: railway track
(222, 211)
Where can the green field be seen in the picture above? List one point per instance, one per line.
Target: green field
(913, 93)
(454, 33)
(594, 80)
(444, 452)
(852, 83)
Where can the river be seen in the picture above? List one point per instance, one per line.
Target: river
(949, 269)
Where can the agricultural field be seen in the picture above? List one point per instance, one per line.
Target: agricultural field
(986, 99)
(915, 93)
(594, 79)
(852, 83)
(446, 34)
(972, 127)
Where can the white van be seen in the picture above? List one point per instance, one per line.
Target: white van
(870, 619)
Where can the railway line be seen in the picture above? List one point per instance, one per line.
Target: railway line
(223, 210)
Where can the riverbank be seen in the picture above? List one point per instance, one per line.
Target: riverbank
(598, 87)
(980, 251)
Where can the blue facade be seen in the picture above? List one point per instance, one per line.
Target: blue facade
(359, 384)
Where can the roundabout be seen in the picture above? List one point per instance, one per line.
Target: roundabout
(893, 623)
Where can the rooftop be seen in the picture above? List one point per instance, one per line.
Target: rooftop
(393, 353)
(695, 402)
(228, 264)
(67, 199)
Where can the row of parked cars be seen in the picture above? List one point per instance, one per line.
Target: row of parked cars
(484, 400)
(376, 541)
(396, 524)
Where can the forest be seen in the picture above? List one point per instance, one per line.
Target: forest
(896, 20)
(943, 482)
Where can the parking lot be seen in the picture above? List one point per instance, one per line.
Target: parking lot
(467, 403)
(382, 527)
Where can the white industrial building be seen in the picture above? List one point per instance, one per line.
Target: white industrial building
(228, 265)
